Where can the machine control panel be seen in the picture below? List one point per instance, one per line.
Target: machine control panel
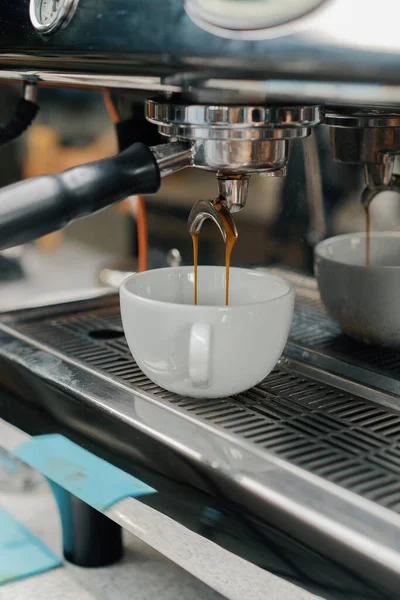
(242, 15)
(50, 16)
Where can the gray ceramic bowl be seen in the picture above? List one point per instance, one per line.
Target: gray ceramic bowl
(364, 300)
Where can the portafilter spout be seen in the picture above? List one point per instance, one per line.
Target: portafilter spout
(377, 185)
(369, 137)
(206, 209)
(233, 189)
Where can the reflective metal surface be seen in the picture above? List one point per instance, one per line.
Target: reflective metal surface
(250, 20)
(337, 51)
(206, 88)
(317, 341)
(235, 139)
(313, 175)
(174, 258)
(30, 92)
(371, 138)
(379, 178)
(364, 139)
(173, 157)
(224, 572)
(205, 210)
(361, 118)
(233, 191)
(240, 156)
(319, 461)
(189, 121)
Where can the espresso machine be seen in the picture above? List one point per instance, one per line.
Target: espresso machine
(299, 476)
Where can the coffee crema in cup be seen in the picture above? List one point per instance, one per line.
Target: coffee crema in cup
(231, 239)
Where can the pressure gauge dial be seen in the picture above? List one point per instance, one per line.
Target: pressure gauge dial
(49, 16)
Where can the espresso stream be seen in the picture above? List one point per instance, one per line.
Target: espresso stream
(195, 239)
(368, 236)
(231, 239)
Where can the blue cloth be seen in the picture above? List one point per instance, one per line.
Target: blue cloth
(88, 477)
(21, 553)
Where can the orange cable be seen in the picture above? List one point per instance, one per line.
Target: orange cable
(142, 234)
(141, 217)
(109, 104)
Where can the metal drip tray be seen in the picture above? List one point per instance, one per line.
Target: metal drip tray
(341, 437)
(327, 457)
(316, 339)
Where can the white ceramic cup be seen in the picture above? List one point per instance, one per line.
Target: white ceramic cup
(208, 350)
(364, 300)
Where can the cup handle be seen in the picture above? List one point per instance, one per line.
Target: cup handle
(200, 355)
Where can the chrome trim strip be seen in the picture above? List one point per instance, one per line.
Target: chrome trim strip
(350, 378)
(97, 80)
(228, 574)
(239, 90)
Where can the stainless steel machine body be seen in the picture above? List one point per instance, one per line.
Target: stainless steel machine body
(240, 78)
(303, 470)
(338, 54)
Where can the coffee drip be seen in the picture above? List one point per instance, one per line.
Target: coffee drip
(367, 236)
(231, 238)
(195, 239)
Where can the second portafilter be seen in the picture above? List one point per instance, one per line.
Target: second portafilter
(371, 138)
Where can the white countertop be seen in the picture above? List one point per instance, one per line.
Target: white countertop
(142, 574)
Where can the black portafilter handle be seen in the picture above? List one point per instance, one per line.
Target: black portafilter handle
(35, 207)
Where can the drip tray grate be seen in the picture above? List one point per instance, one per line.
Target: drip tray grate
(313, 330)
(334, 434)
